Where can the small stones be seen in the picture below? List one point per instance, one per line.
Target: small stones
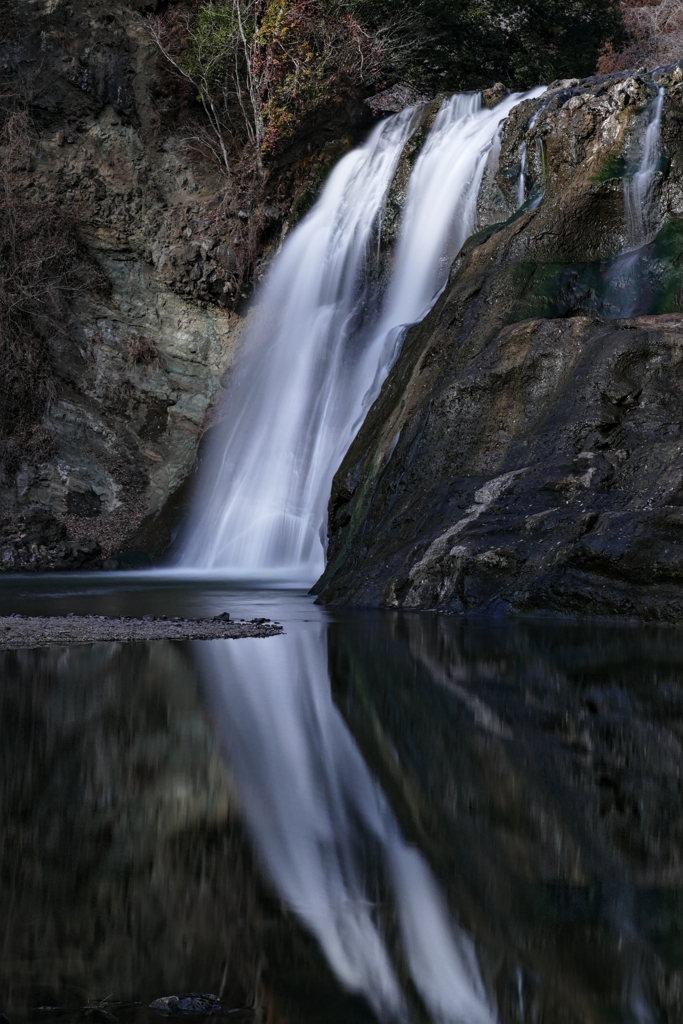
(192, 1003)
(18, 632)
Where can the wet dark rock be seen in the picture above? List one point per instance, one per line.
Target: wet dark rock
(526, 452)
(493, 96)
(223, 617)
(192, 1003)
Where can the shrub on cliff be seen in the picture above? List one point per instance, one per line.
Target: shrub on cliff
(263, 68)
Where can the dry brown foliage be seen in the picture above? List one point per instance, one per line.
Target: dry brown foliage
(656, 36)
(141, 351)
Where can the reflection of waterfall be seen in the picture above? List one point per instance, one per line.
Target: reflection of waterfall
(313, 808)
(312, 361)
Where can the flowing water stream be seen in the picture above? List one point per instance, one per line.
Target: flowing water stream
(625, 278)
(324, 335)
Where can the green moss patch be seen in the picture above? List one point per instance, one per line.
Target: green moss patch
(613, 166)
(647, 281)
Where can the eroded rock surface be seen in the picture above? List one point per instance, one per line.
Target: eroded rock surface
(143, 364)
(526, 451)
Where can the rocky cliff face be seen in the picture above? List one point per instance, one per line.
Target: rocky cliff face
(525, 452)
(142, 364)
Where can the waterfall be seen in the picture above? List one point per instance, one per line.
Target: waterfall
(638, 190)
(323, 340)
(624, 280)
(521, 181)
(316, 815)
(259, 506)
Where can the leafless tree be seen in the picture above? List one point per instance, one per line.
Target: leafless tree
(220, 68)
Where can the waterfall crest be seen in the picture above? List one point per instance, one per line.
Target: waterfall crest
(319, 349)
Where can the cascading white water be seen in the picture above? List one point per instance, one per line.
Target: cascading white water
(521, 181)
(638, 189)
(315, 356)
(259, 502)
(624, 279)
(309, 801)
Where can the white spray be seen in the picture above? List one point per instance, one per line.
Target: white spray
(521, 181)
(638, 190)
(314, 360)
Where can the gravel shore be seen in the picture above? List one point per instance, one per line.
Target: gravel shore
(17, 631)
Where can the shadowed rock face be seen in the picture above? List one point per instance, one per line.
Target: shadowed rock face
(537, 766)
(525, 452)
(142, 366)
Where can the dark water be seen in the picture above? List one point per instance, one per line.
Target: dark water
(261, 818)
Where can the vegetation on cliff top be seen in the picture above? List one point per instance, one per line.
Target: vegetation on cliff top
(264, 70)
(655, 35)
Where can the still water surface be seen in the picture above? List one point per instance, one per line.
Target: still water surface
(376, 815)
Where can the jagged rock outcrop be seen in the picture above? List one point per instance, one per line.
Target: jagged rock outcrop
(143, 361)
(526, 451)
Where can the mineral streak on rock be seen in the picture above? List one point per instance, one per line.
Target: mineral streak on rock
(526, 452)
(59, 631)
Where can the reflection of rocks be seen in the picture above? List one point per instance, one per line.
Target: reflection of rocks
(124, 868)
(538, 767)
